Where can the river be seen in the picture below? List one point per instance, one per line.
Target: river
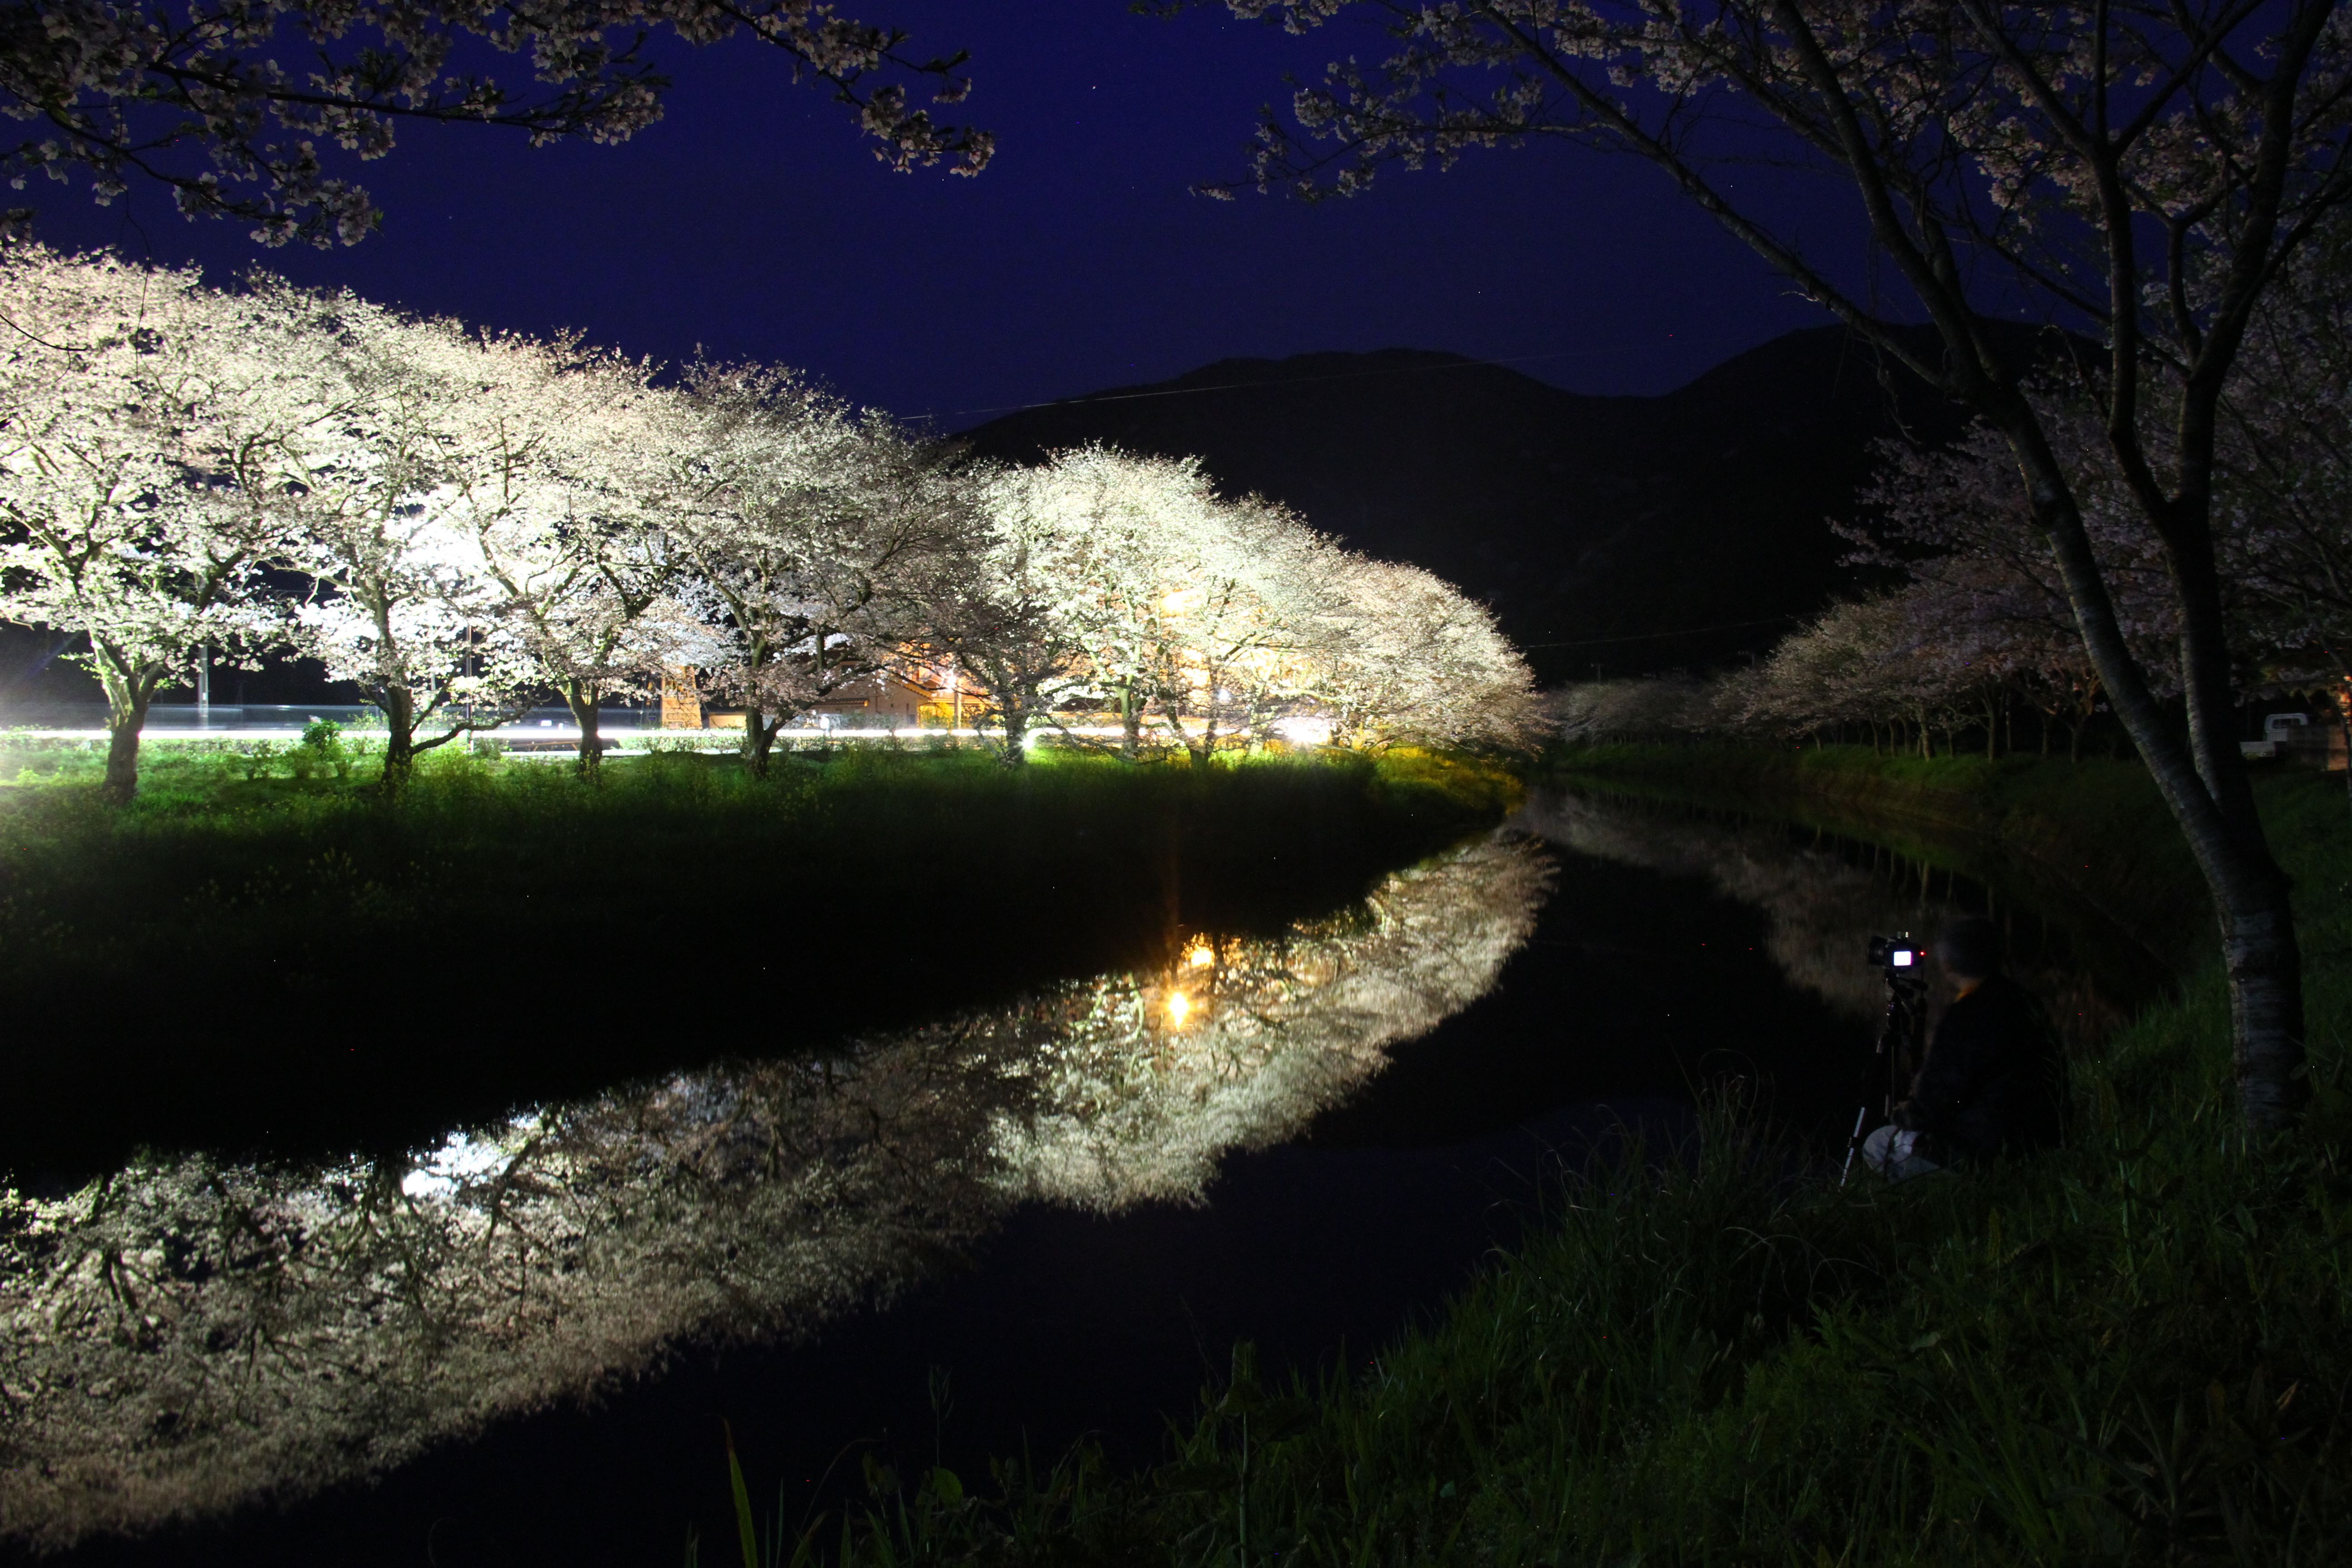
(1016, 1225)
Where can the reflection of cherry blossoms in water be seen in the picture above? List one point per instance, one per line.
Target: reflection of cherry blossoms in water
(188, 1335)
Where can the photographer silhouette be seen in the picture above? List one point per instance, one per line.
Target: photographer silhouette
(1989, 1082)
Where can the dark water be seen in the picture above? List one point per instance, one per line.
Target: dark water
(1020, 1227)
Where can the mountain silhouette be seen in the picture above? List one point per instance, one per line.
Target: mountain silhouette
(1627, 534)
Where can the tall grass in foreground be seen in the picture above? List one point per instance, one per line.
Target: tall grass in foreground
(2131, 1350)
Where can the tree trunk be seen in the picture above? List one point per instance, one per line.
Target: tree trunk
(1015, 717)
(126, 701)
(399, 706)
(1198, 751)
(2203, 781)
(582, 703)
(759, 738)
(2265, 968)
(1130, 723)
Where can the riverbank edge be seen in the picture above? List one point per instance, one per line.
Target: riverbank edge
(304, 900)
(2094, 834)
(2128, 1349)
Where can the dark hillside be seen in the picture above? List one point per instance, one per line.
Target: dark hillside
(1599, 523)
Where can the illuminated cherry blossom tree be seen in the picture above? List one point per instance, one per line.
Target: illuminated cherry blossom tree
(122, 91)
(564, 503)
(1144, 521)
(1417, 661)
(1229, 620)
(127, 395)
(811, 538)
(2146, 170)
(480, 517)
(1879, 662)
(1115, 580)
(1016, 616)
(409, 429)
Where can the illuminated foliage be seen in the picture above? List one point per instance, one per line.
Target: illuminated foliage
(127, 399)
(1140, 594)
(482, 517)
(812, 539)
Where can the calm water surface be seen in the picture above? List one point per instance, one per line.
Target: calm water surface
(1019, 1225)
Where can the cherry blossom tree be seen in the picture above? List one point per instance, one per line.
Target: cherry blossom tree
(374, 492)
(1125, 528)
(1109, 579)
(1909, 662)
(812, 540)
(1307, 584)
(126, 396)
(1017, 615)
(1215, 620)
(121, 91)
(1145, 517)
(1595, 712)
(2146, 170)
(1232, 616)
(1983, 580)
(2286, 456)
(1827, 671)
(1416, 661)
(564, 503)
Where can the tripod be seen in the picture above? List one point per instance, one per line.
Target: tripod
(1902, 1038)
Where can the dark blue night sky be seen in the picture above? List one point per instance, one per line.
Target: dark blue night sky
(754, 221)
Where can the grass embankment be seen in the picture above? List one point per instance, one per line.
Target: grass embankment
(248, 958)
(2135, 1349)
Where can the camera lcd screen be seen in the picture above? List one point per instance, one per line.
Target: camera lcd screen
(1901, 957)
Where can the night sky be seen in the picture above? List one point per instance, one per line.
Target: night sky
(754, 221)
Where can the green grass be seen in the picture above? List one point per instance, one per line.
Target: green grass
(2134, 1350)
(267, 955)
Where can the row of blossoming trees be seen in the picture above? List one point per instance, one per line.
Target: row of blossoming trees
(1972, 636)
(460, 522)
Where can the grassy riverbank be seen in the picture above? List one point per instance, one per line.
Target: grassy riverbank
(2135, 1349)
(279, 957)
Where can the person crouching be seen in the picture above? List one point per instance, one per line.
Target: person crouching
(1992, 1080)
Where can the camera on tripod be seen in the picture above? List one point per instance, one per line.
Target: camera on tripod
(1902, 1033)
(1898, 954)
